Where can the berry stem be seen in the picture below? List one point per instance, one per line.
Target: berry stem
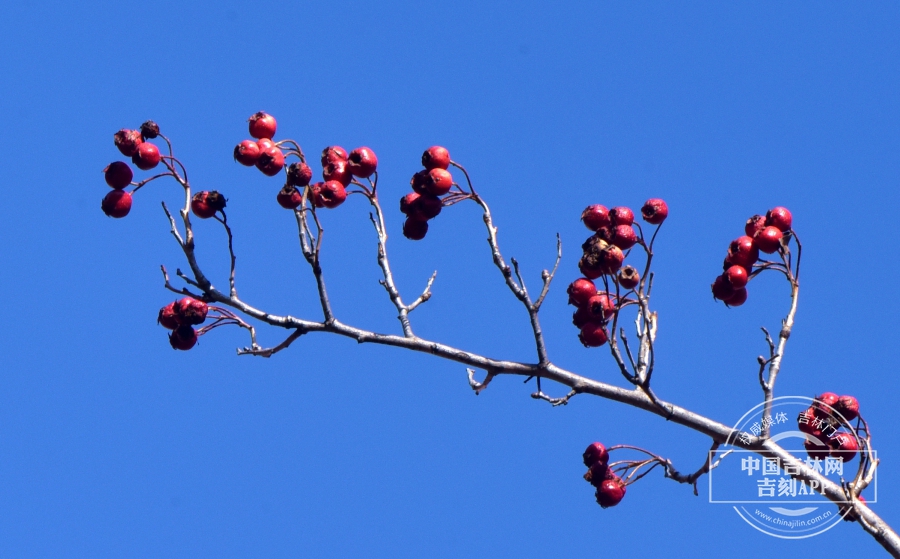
(139, 185)
(295, 150)
(466, 173)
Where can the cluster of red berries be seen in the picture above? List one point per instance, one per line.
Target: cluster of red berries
(610, 487)
(424, 202)
(118, 174)
(180, 317)
(338, 167)
(338, 170)
(594, 308)
(823, 421)
(762, 234)
(603, 256)
(262, 153)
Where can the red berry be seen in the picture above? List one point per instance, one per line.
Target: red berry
(421, 206)
(337, 171)
(580, 291)
(655, 211)
(262, 125)
(595, 217)
(738, 298)
(418, 182)
(722, 288)
(594, 453)
(816, 450)
(247, 152)
(289, 197)
(743, 252)
(611, 259)
(727, 263)
(754, 225)
(167, 317)
(414, 229)
(116, 204)
(149, 130)
(128, 141)
(600, 257)
(769, 239)
(205, 204)
(581, 317)
(429, 206)
(844, 446)
(439, 182)
(270, 161)
(315, 191)
(333, 153)
(597, 473)
(601, 307)
(362, 162)
(146, 157)
(118, 174)
(191, 311)
(589, 271)
(779, 217)
(621, 216)
(605, 233)
(407, 203)
(624, 237)
(592, 335)
(299, 174)
(629, 277)
(332, 194)
(825, 402)
(805, 421)
(264, 144)
(183, 338)
(610, 493)
(848, 407)
(737, 276)
(436, 157)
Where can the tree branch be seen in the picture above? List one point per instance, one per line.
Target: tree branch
(640, 397)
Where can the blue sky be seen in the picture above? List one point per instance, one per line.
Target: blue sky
(113, 445)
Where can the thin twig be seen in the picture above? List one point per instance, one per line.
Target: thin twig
(269, 352)
(554, 401)
(548, 276)
(224, 221)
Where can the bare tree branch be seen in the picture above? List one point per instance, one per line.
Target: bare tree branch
(641, 396)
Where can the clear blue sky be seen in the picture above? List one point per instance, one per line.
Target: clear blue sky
(113, 445)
